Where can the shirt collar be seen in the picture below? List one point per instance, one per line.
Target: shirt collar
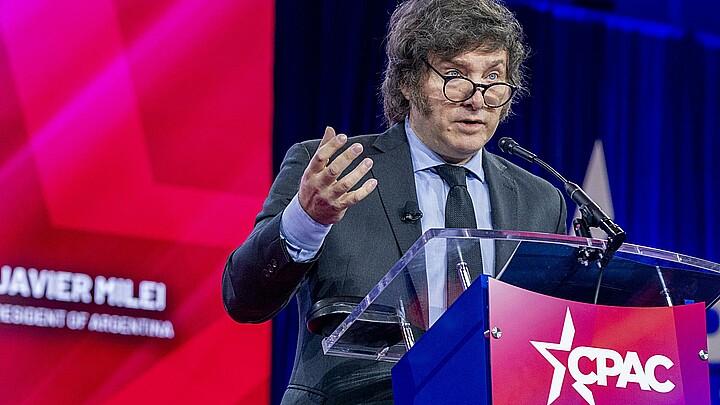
(424, 158)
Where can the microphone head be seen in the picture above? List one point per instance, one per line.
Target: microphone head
(507, 144)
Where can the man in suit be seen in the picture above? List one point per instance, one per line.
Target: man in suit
(332, 224)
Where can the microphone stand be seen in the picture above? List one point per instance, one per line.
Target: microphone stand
(592, 216)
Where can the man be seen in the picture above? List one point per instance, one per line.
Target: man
(332, 224)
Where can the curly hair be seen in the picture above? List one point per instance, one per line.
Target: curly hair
(445, 29)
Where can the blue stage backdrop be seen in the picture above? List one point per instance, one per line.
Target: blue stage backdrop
(649, 91)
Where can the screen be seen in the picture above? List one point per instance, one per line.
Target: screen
(135, 151)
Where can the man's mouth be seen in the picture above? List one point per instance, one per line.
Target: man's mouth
(471, 122)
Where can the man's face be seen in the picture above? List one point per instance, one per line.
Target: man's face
(456, 131)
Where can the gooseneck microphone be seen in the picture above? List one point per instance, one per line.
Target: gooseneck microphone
(592, 214)
(508, 145)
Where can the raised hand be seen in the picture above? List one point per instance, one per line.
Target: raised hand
(322, 194)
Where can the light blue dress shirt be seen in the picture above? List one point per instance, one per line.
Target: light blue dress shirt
(432, 194)
(303, 235)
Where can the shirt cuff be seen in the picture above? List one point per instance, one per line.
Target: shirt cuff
(303, 235)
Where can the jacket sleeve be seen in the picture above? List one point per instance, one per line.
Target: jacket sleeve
(259, 277)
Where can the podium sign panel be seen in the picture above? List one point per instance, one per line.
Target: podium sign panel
(555, 351)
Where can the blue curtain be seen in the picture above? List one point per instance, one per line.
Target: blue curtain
(649, 91)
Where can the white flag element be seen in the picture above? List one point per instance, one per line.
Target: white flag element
(597, 186)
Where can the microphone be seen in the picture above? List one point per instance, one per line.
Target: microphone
(411, 212)
(592, 214)
(509, 146)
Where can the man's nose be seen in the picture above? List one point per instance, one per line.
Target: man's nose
(477, 101)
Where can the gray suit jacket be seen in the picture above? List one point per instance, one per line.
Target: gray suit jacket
(259, 278)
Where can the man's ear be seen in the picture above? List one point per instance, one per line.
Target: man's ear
(405, 92)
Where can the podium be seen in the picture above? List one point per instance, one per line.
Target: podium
(548, 327)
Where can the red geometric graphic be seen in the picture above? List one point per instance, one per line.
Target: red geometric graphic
(136, 144)
(88, 118)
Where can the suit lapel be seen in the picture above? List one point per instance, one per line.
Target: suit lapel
(393, 170)
(504, 203)
(392, 167)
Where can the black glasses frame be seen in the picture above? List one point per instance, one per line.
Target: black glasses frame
(483, 87)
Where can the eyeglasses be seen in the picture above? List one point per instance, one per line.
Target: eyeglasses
(459, 88)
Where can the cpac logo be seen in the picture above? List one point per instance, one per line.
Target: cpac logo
(609, 363)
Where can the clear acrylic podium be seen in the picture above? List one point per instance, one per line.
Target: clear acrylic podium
(387, 322)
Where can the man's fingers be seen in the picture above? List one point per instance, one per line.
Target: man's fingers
(355, 196)
(322, 195)
(344, 184)
(340, 163)
(328, 135)
(324, 152)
